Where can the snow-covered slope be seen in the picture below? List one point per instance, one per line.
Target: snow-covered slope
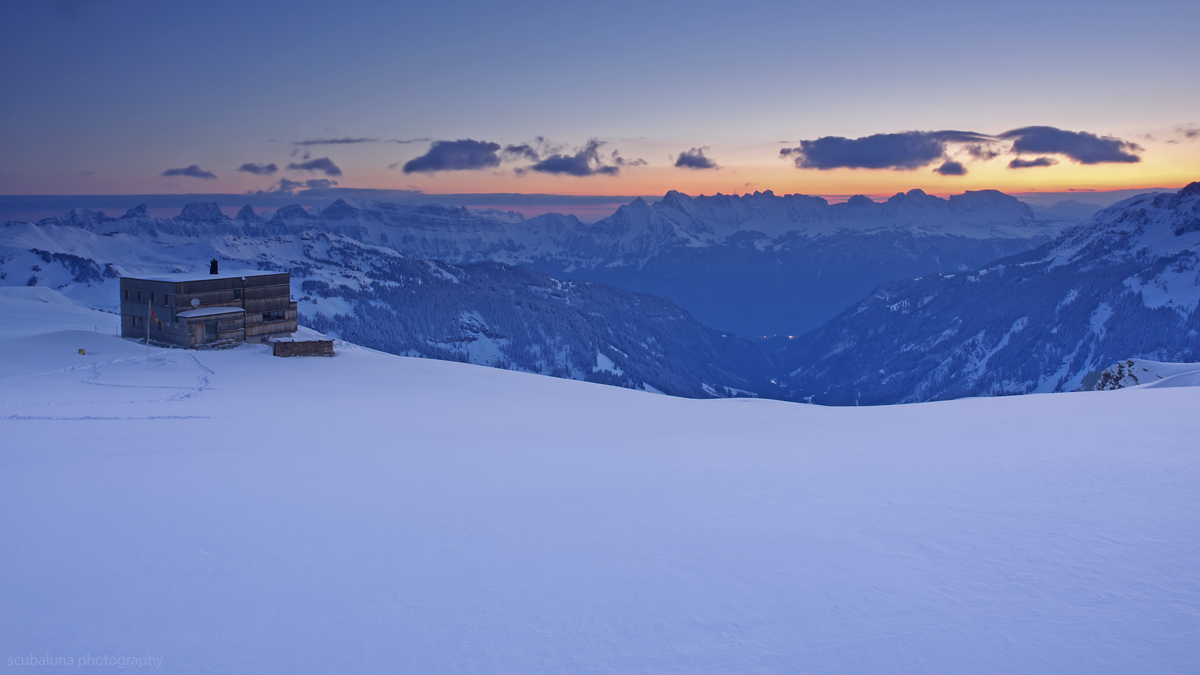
(753, 264)
(1140, 372)
(1125, 284)
(517, 319)
(24, 309)
(235, 512)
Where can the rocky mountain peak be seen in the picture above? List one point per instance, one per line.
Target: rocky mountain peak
(291, 212)
(339, 210)
(202, 212)
(247, 214)
(139, 211)
(1190, 190)
(860, 202)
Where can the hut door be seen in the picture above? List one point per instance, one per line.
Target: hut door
(210, 332)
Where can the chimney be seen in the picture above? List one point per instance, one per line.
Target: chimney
(212, 266)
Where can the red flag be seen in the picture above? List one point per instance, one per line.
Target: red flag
(152, 314)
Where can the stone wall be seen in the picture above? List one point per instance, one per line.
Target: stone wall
(302, 347)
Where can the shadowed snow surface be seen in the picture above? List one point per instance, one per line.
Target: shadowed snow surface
(234, 512)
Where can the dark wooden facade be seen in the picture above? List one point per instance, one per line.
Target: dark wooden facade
(260, 302)
(302, 347)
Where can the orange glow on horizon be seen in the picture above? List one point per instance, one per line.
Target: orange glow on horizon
(837, 183)
(1162, 166)
(1171, 166)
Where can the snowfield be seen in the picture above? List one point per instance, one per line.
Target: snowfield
(235, 512)
(24, 309)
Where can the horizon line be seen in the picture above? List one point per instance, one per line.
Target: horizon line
(32, 207)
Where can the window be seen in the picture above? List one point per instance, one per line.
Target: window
(139, 296)
(126, 295)
(237, 294)
(273, 315)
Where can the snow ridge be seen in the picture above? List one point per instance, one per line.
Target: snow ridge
(1125, 284)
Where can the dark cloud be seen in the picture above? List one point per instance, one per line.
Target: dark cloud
(460, 155)
(287, 186)
(1188, 132)
(579, 164)
(322, 164)
(1080, 146)
(336, 141)
(982, 152)
(694, 159)
(586, 161)
(258, 169)
(192, 171)
(85, 172)
(906, 150)
(951, 168)
(914, 149)
(406, 141)
(1019, 163)
(284, 186)
(533, 150)
(523, 151)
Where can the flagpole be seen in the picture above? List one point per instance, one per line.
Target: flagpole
(149, 313)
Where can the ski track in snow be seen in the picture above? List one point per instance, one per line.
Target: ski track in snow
(201, 386)
(96, 371)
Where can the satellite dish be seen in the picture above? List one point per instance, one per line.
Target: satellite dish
(195, 302)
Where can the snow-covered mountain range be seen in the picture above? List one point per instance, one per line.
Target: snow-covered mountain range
(756, 264)
(1125, 284)
(484, 313)
(763, 264)
(355, 276)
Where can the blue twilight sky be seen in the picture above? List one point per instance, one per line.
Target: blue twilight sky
(127, 96)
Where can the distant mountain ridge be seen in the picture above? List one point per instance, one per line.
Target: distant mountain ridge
(1123, 285)
(484, 313)
(755, 264)
(762, 264)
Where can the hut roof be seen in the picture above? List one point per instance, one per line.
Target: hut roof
(204, 276)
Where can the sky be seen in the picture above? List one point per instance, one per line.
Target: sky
(113, 97)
